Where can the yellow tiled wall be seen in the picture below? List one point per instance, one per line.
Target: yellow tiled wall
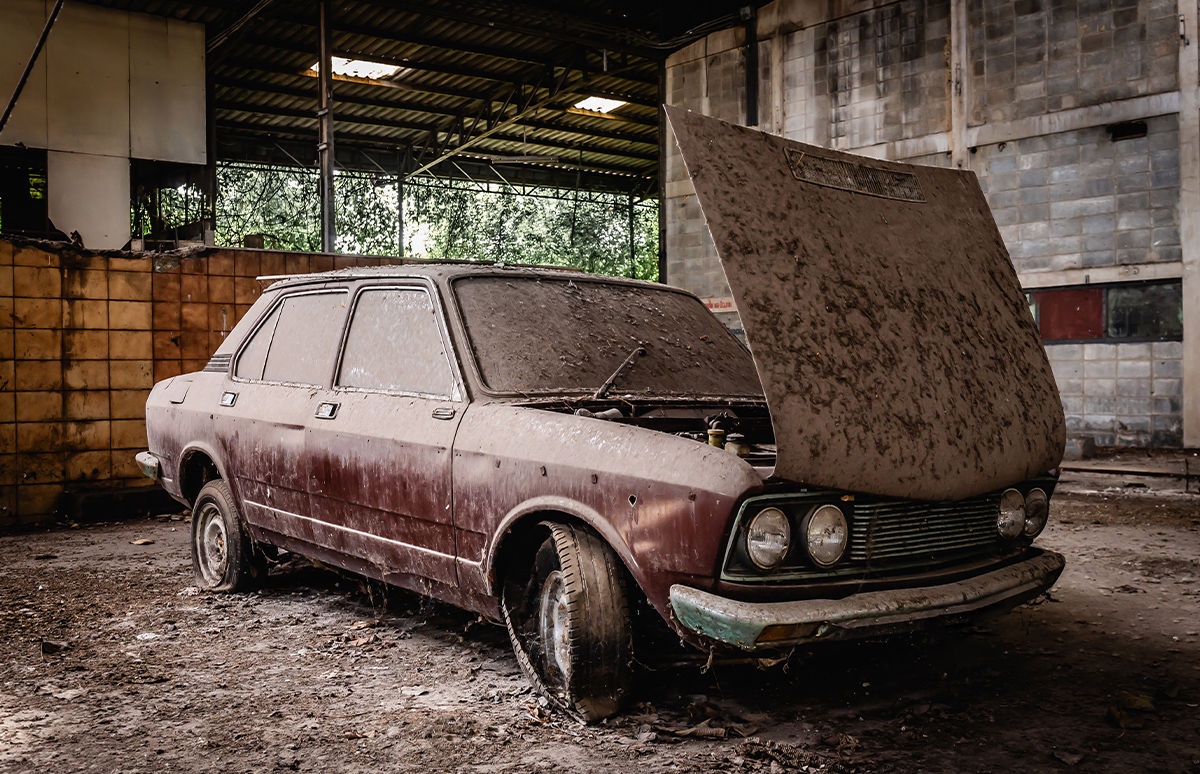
(83, 338)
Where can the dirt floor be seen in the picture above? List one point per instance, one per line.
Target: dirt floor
(111, 661)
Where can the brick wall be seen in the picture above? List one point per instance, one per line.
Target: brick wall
(83, 338)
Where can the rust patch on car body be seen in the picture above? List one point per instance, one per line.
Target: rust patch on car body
(889, 331)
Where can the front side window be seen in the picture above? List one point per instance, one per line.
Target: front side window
(395, 344)
(297, 341)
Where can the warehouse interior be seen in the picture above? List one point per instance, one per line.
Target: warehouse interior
(1080, 120)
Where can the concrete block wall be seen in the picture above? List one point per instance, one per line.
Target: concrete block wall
(83, 338)
(1078, 200)
(1023, 93)
(1121, 394)
(1030, 57)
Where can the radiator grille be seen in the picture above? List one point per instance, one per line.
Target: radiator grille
(907, 530)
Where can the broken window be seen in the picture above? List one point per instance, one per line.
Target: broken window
(23, 192)
(168, 202)
(1145, 311)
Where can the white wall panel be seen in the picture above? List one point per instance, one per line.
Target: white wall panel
(21, 22)
(87, 100)
(89, 194)
(166, 89)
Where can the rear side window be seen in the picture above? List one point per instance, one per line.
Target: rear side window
(254, 354)
(395, 344)
(297, 341)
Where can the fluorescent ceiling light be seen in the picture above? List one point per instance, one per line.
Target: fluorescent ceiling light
(599, 104)
(359, 68)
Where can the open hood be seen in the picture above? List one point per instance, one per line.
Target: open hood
(893, 342)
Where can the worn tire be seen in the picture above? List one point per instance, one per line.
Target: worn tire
(224, 556)
(569, 624)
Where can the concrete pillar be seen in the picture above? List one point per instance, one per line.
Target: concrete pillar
(1189, 215)
(960, 79)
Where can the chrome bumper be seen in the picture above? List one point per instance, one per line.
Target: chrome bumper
(761, 625)
(151, 467)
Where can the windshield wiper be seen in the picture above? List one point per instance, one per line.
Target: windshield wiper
(638, 351)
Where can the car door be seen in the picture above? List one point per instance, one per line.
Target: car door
(379, 440)
(267, 401)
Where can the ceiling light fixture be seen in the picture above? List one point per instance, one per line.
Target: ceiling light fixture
(359, 68)
(599, 104)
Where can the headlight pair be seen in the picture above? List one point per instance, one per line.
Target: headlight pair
(824, 530)
(1021, 514)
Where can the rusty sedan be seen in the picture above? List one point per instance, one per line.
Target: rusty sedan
(580, 457)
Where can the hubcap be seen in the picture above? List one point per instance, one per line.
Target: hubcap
(553, 625)
(212, 552)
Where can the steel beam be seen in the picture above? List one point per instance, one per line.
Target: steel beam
(325, 144)
(267, 87)
(222, 37)
(37, 50)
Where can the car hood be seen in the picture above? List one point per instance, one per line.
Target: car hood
(894, 345)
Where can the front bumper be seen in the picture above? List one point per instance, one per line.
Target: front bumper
(151, 467)
(762, 625)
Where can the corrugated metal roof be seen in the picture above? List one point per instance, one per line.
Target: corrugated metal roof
(464, 67)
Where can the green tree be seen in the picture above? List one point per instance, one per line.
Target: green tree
(443, 220)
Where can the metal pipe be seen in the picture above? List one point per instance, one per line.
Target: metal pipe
(325, 150)
(37, 50)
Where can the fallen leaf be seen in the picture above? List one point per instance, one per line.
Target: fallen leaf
(141, 542)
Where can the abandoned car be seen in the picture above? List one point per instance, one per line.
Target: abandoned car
(568, 454)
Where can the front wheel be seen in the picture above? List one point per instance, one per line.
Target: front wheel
(223, 553)
(569, 623)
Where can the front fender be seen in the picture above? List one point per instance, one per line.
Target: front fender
(589, 516)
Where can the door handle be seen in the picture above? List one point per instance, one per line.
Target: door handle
(443, 413)
(326, 410)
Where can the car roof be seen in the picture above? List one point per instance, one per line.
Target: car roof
(446, 271)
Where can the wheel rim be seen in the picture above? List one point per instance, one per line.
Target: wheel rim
(553, 625)
(212, 547)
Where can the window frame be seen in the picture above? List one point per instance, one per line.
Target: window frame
(266, 315)
(1104, 287)
(458, 390)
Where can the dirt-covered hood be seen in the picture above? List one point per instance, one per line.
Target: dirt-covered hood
(894, 344)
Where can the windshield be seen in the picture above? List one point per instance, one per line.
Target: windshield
(538, 335)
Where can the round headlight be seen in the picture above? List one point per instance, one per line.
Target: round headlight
(1011, 521)
(825, 535)
(1037, 510)
(768, 538)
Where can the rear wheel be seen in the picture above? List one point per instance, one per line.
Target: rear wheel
(569, 623)
(224, 556)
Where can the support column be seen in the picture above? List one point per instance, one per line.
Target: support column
(325, 130)
(960, 80)
(400, 206)
(208, 220)
(662, 171)
(750, 17)
(1189, 214)
(632, 242)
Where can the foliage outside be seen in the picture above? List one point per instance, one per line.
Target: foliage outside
(442, 220)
